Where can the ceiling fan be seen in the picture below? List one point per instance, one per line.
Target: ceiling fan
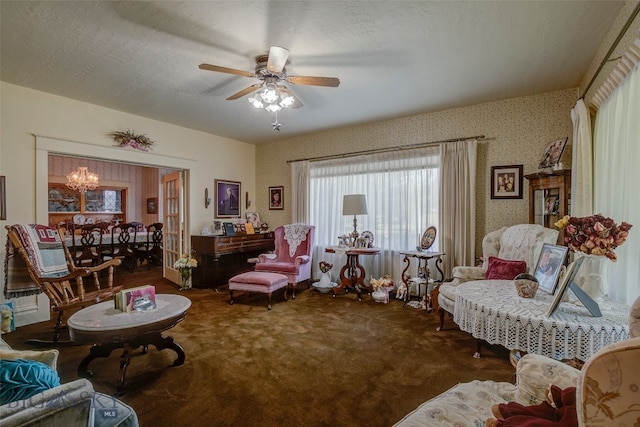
(270, 69)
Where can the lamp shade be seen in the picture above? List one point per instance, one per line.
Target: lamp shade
(354, 204)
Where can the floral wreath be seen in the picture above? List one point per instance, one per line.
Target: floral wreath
(130, 139)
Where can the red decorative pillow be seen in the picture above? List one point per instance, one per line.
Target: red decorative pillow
(504, 269)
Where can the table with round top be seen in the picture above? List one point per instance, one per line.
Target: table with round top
(492, 311)
(352, 273)
(108, 328)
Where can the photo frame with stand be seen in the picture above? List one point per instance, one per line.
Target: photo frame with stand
(552, 153)
(548, 268)
(566, 283)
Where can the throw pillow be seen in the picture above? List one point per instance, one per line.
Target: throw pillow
(504, 269)
(48, 357)
(21, 379)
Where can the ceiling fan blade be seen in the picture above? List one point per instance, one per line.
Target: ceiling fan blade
(225, 70)
(277, 59)
(244, 92)
(314, 81)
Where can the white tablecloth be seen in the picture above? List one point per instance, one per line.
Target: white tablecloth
(491, 310)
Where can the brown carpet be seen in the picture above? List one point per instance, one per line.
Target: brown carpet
(313, 361)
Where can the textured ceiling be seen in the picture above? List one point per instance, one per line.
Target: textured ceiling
(393, 58)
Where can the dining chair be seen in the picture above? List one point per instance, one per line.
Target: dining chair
(87, 246)
(123, 238)
(151, 249)
(53, 270)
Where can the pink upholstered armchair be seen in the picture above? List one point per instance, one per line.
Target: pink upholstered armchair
(294, 243)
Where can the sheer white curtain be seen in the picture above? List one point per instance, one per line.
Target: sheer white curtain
(616, 179)
(582, 162)
(458, 207)
(300, 192)
(402, 190)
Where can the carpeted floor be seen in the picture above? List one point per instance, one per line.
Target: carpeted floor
(313, 361)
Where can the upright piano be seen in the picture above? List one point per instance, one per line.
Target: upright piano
(222, 257)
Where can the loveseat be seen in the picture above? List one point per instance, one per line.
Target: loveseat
(520, 242)
(70, 404)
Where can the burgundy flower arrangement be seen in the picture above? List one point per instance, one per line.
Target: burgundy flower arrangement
(130, 139)
(594, 235)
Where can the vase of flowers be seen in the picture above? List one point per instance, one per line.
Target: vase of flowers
(325, 279)
(594, 237)
(184, 265)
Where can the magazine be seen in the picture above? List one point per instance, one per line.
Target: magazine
(141, 298)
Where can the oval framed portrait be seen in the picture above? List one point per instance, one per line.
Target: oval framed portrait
(428, 237)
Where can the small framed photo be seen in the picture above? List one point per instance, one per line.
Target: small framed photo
(227, 198)
(276, 198)
(152, 205)
(549, 265)
(253, 218)
(552, 153)
(506, 182)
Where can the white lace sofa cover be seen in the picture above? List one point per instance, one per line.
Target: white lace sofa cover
(518, 242)
(606, 391)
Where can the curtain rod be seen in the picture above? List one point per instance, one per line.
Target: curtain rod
(386, 149)
(612, 48)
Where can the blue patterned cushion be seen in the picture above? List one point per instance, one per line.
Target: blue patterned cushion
(22, 379)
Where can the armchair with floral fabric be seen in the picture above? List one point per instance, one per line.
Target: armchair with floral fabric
(520, 242)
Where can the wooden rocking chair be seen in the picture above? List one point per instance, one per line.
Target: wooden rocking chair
(52, 268)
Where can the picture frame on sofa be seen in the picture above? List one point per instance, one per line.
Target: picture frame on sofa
(548, 268)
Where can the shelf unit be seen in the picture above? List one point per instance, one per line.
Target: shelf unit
(549, 198)
(103, 204)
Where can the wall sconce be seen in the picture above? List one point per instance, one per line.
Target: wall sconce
(207, 199)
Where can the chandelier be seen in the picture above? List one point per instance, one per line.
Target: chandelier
(82, 180)
(272, 97)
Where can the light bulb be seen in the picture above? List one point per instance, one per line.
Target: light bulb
(286, 100)
(256, 101)
(273, 108)
(269, 93)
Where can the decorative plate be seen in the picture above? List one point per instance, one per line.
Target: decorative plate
(79, 219)
(368, 235)
(90, 221)
(428, 238)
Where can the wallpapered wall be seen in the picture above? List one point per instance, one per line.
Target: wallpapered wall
(517, 131)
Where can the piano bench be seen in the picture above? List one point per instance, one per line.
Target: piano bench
(258, 281)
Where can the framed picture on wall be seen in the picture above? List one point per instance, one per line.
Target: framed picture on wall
(276, 198)
(506, 182)
(152, 205)
(227, 199)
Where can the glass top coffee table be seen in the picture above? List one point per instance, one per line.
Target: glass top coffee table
(108, 328)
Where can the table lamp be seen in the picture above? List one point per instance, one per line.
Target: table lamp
(354, 204)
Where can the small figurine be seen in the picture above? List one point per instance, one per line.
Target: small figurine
(402, 291)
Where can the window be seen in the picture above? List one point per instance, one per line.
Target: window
(402, 190)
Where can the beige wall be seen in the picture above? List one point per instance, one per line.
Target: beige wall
(516, 130)
(25, 112)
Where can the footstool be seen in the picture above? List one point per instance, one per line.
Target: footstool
(258, 281)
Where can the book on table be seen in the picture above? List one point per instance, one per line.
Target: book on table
(141, 298)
